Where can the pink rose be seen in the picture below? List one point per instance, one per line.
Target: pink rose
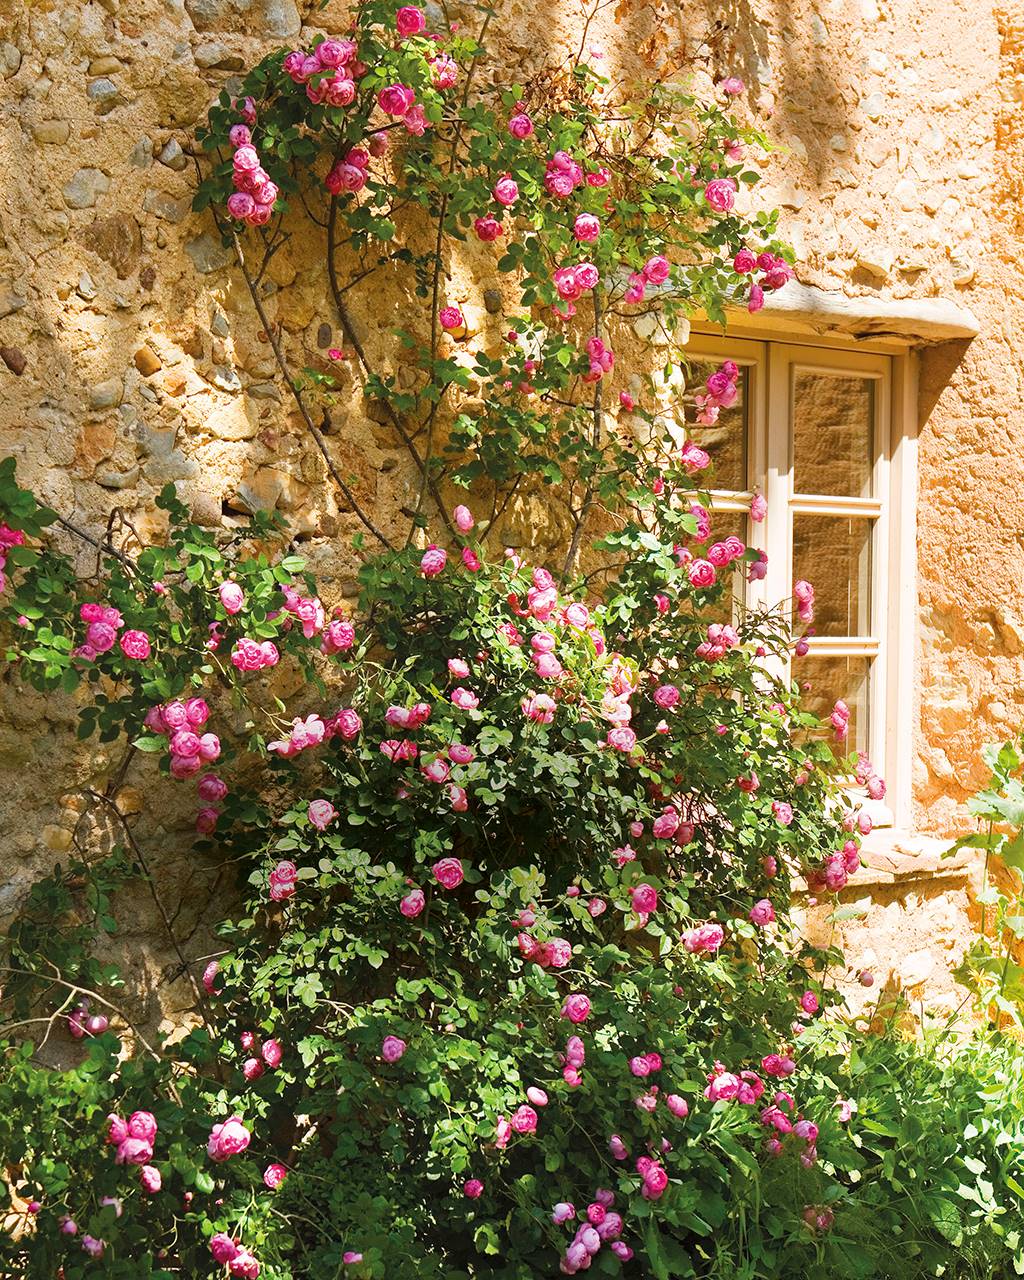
(244, 1266)
(701, 574)
(506, 191)
(273, 1175)
(392, 1048)
(135, 644)
(272, 1053)
(744, 262)
(666, 696)
(720, 193)
(463, 519)
(142, 1124)
(232, 597)
(409, 21)
(539, 708)
(150, 1179)
(433, 562)
(487, 228)
(222, 1247)
(656, 269)
(644, 899)
(762, 912)
(621, 739)
(321, 813)
(412, 904)
(228, 1139)
(524, 1119)
(448, 873)
(586, 228)
(464, 699)
(706, 938)
(134, 1151)
(451, 318)
(576, 1008)
(520, 125)
(394, 100)
(212, 789)
(473, 1189)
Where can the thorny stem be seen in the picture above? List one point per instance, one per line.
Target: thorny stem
(435, 290)
(588, 497)
(140, 857)
(352, 337)
(311, 426)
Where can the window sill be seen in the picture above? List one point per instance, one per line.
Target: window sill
(893, 857)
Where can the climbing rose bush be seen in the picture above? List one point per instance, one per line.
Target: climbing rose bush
(505, 982)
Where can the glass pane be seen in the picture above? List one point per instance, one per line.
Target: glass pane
(833, 430)
(833, 554)
(823, 681)
(726, 441)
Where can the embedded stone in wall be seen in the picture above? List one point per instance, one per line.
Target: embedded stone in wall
(116, 240)
(85, 188)
(264, 17)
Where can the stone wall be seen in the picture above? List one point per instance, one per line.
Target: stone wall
(132, 356)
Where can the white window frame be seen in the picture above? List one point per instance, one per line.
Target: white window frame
(771, 361)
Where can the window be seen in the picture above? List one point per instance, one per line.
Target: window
(813, 431)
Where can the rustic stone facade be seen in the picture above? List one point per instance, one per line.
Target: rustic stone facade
(132, 355)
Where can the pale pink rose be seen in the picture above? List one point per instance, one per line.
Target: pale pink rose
(232, 597)
(463, 519)
(539, 708)
(150, 1179)
(720, 193)
(621, 739)
(706, 938)
(412, 904)
(464, 699)
(321, 813)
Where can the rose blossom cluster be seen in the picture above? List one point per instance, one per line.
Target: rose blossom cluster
(81, 1023)
(721, 638)
(726, 1086)
(252, 200)
(655, 271)
(776, 272)
(8, 538)
(180, 721)
(134, 1140)
(720, 392)
(103, 622)
(238, 1260)
(803, 593)
(303, 734)
(599, 1224)
(601, 360)
(254, 655)
(779, 1117)
(259, 1056)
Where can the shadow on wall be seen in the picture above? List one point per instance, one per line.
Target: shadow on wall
(803, 85)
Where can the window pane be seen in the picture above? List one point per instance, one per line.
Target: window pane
(833, 429)
(726, 441)
(833, 554)
(823, 681)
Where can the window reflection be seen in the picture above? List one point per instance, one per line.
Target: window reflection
(833, 430)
